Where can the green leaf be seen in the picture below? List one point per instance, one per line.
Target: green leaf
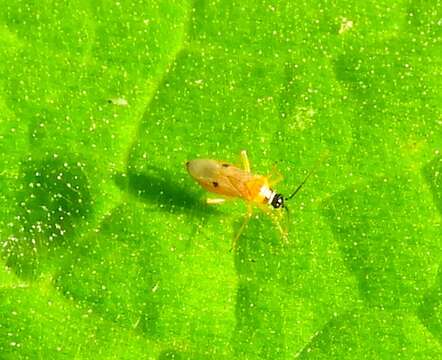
(108, 249)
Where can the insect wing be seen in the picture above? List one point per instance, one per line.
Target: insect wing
(220, 178)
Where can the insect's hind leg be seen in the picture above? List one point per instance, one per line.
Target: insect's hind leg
(245, 161)
(213, 201)
(243, 226)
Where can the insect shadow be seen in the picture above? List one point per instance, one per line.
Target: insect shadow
(158, 186)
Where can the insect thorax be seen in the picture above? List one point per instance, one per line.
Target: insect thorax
(267, 193)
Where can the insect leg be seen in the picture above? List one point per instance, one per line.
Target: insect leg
(245, 161)
(211, 201)
(275, 216)
(241, 229)
(275, 177)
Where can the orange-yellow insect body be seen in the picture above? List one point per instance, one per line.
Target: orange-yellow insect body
(228, 180)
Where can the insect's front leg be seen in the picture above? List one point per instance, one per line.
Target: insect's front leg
(275, 177)
(276, 216)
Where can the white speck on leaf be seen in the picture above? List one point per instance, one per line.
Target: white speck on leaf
(346, 25)
(118, 101)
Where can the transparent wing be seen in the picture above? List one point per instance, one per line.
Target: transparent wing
(220, 178)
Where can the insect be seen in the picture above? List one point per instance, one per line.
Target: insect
(230, 181)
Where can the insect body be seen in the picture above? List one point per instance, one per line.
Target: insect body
(232, 182)
(227, 180)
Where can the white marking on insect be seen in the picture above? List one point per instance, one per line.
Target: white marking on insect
(267, 193)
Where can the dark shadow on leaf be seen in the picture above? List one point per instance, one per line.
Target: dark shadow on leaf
(428, 311)
(380, 242)
(433, 174)
(53, 200)
(157, 186)
(259, 320)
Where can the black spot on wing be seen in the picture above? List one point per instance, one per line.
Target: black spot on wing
(215, 184)
(226, 165)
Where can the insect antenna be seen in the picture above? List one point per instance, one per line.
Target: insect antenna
(300, 186)
(311, 172)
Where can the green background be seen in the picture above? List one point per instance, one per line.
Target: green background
(107, 247)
